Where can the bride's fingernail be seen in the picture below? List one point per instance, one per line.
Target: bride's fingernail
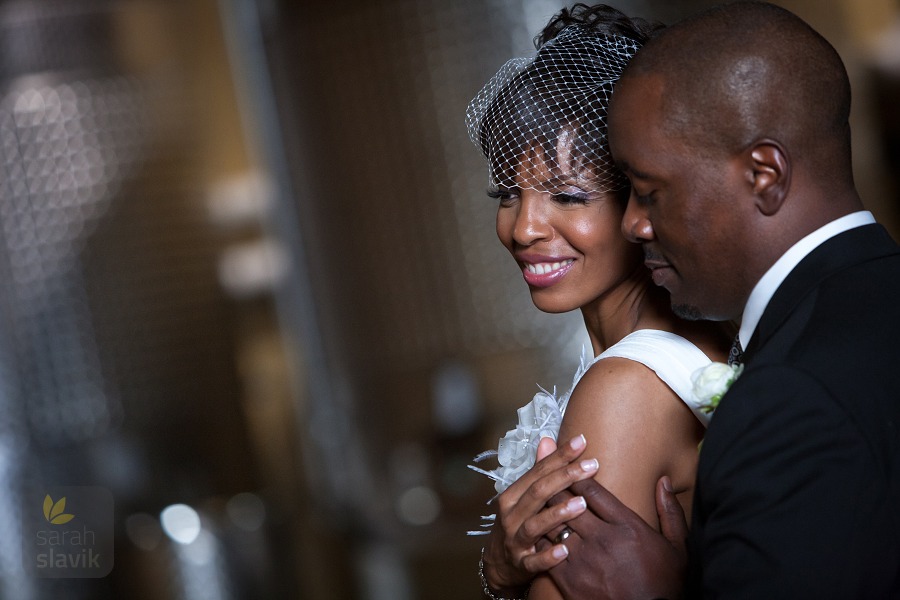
(578, 442)
(559, 551)
(576, 504)
(590, 465)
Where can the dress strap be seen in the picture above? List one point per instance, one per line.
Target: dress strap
(673, 359)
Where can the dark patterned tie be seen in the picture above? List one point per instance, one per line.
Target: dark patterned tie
(736, 354)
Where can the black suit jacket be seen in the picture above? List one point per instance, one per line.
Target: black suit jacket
(798, 486)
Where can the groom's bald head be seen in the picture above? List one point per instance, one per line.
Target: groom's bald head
(748, 70)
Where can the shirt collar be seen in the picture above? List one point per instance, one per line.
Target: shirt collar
(766, 286)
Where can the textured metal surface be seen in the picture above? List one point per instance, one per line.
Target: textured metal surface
(116, 353)
(66, 147)
(55, 36)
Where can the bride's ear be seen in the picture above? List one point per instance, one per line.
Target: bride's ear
(770, 172)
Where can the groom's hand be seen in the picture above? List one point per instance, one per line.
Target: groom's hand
(615, 554)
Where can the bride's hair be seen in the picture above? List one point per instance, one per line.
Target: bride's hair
(602, 19)
(558, 98)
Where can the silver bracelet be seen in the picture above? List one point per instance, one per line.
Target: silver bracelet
(487, 588)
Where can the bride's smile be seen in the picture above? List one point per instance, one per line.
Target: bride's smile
(564, 232)
(540, 271)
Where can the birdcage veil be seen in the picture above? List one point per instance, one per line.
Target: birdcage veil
(554, 102)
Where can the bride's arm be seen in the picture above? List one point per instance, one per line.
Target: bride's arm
(638, 430)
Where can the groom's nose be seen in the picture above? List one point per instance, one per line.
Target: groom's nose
(636, 225)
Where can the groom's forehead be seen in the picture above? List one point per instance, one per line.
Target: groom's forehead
(638, 109)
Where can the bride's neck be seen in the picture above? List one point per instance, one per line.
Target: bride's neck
(634, 304)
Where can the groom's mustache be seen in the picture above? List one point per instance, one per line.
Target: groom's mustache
(651, 255)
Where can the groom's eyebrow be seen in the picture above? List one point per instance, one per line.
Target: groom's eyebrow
(631, 171)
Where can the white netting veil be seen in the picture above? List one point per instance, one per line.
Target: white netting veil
(552, 106)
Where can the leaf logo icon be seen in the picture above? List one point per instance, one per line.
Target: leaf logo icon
(54, 511)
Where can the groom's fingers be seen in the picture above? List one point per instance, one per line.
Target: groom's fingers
(671, 515)
(602, 502)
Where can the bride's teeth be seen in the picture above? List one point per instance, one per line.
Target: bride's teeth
(544, 268)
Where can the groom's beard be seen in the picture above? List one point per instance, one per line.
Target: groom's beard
(689, 312)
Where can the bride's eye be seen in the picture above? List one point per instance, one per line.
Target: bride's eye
(504, 196)
(570, 199)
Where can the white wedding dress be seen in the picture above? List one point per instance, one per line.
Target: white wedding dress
(670, 356)
(673, 359)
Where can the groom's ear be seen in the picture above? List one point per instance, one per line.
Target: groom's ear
(769, 174)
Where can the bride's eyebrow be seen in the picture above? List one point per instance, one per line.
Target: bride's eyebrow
(572, 180)
(559, 181)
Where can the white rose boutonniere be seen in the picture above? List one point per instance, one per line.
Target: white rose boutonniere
(711, 382)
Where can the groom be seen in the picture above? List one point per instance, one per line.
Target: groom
(733, 129)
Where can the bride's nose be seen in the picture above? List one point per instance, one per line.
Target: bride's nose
(531, 224)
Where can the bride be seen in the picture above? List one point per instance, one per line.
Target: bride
(541, 124)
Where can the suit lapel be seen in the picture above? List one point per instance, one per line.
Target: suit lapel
(843, 250)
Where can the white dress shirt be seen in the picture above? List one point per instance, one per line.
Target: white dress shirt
(766, 286)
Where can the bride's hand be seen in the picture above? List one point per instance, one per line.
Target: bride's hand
(511, 557)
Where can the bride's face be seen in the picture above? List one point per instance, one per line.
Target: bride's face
(565, 235)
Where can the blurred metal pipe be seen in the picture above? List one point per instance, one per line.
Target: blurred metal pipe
(334, 455)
